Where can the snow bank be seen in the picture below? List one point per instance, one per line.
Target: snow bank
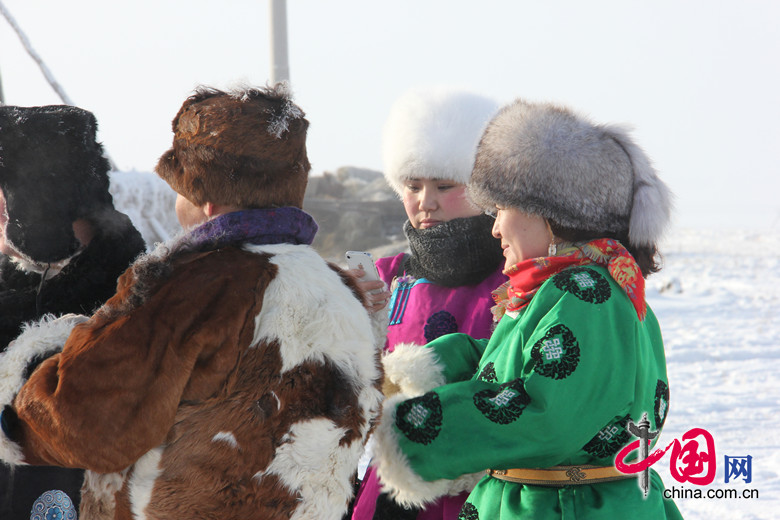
(718, 302)
(148, 201)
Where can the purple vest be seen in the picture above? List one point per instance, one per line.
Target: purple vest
(421, 311)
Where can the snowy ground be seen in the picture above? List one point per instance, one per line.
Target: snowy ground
(720, 317)
(718, 302)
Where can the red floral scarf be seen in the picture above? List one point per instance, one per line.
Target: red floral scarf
(526, 277)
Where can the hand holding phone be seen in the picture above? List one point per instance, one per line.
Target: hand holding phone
(362, 260)
(377, 296)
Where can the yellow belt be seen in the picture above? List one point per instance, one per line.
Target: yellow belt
(559, 475)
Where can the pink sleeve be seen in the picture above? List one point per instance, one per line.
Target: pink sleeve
(388, 267)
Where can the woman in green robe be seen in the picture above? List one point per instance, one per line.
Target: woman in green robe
(543, 407)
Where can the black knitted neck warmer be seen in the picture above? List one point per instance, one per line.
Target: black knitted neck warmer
(457, 252)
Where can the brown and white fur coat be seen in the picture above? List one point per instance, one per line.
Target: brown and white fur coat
(237, 383)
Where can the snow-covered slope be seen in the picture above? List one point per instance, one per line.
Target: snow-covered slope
(718, 303)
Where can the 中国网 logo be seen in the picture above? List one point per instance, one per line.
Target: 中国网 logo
(692, 457)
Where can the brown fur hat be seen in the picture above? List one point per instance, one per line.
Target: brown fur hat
(246, 148)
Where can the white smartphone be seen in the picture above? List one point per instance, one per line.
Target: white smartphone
(362, 260)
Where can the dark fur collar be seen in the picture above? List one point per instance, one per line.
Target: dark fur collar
(80, 287)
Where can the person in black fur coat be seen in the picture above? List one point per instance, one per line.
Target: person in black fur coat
(63, 246)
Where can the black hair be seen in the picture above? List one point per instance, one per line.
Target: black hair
(647, 257)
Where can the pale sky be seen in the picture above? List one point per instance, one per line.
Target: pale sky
(697, 79)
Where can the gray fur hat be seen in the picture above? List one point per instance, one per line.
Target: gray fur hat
(432, 133)
(546, 160)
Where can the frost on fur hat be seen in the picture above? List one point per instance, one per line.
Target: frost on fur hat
(245, 148)
(52, 173)
(547, 160)
(433, 134)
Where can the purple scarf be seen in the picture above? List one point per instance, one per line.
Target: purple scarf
(286, 225)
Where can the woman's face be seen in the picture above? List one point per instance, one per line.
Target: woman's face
(522, 236)
(429, 202)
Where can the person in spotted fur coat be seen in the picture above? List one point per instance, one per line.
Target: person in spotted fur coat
(234, 374)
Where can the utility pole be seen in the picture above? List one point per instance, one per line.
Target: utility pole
(34, 55)
(41, 65)
(280, 68)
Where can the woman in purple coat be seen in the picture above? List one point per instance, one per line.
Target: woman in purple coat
(444, 284)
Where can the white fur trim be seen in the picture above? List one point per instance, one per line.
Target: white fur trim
(145, 472)
(46, 337)
(398, 478)
(311, 463)
(27, 264)
(432, 133)
(413, 368)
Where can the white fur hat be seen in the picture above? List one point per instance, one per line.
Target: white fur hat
(549, 161)
(432, 133)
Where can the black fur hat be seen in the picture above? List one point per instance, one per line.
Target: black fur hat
(52, 173)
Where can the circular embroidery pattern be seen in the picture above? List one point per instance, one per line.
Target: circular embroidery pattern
(610, 439)
(504, 405)
(557, 354)
(420, 418)
(53, 505)
(586, 284)
(468, 512)
(439, 324)
(661, 403)
(488, 373)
